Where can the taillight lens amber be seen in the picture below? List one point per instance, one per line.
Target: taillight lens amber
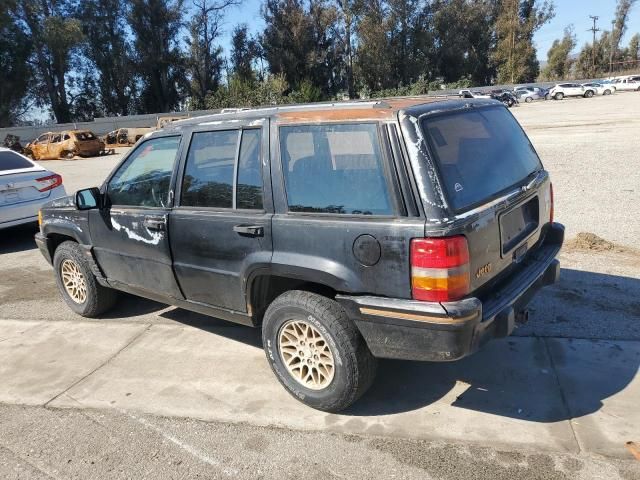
(440, 268)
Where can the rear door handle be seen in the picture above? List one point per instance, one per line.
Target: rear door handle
(249, 230)
(155, 223)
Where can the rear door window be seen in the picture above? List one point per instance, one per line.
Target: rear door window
(216, 168)
(480, 153)
(336, 168)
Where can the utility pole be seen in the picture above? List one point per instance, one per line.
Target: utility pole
(613, 34)
(594, 29)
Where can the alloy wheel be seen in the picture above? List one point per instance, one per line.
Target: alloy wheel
(73, 281)
(306, 354)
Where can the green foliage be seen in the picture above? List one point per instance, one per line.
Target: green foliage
(15, 72)
(158, 59)
(515, 55)
(109, 69)
(559, 61)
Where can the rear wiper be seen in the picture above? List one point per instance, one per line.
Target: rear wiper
(532, 182)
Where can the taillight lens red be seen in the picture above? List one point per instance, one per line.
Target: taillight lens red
(440, 268)
(50, 182)
(551, 203)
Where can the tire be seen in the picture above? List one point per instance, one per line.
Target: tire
(547, 97)
(606, 92)
(588, 94)
(558, 96)
(528, 100)
(97, 299)
(354, 366)
(67, 155)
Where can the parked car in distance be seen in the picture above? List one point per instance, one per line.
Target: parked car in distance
(466, 93)
(600, 88)
(507, 97)
(627, 84)
(126, 136)
(66, 144)
(562, 90)
(609, 82)
(24, 187)
(529, 94)
(411, 228)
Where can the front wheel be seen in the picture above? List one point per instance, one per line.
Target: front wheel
(606, 92)
(528, 100)
(77, 284)
(316, 351)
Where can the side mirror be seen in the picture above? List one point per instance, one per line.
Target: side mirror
(88, 198)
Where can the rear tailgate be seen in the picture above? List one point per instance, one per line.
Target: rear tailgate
(495, 186)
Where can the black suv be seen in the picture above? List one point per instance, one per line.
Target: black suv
(411, 228)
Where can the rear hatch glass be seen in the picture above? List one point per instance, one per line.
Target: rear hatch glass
(480, 153)
(12, 161)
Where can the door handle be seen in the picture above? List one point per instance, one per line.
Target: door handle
(155, 223)
(249, 230)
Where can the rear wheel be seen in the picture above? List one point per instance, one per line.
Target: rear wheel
(606, 92)
(77, 284)
(559, 96)
(316, 351)
(588, 94)
(67, 155)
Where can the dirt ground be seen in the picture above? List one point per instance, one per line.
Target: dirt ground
(157, 392)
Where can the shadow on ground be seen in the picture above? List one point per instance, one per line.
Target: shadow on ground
(516, 378)
(18, 239)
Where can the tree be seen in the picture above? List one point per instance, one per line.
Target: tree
(633, 51)
(374, 56)
(299, 43)
(15, 70)
(55, 37)
(109, 53)
(244, 52)
(464, 39)
(348, 11)
(620, 24)
(514, 55)
(204, 60)
(155, 25)
(559, 61)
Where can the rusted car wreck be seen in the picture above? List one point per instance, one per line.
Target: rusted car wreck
(66, 144)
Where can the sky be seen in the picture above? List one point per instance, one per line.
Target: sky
(568, 12)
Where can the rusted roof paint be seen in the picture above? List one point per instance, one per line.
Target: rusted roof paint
(384, 109)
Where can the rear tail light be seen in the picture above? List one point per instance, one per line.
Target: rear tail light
(551, 202)
(50, 182)
(439, 268)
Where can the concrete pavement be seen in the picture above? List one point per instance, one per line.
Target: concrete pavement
(536, 394)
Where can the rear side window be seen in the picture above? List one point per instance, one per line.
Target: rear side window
(334, 169)
(13, 161)
(211, 176)
(480, 153)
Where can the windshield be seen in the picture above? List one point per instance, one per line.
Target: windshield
(480, 153)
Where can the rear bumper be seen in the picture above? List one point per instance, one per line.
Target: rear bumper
(414, 330)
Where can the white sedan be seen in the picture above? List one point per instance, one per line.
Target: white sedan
(600, 88)
(24, 187)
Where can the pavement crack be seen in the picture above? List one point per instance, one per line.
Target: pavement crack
(106, 362)
(563, 397)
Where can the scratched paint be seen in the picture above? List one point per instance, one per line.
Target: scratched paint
(155, 236)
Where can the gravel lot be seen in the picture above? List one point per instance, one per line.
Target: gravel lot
(78, 431)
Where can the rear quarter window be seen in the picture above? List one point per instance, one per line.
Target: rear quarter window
(13, 161)
(334, 168)
(480, 153)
